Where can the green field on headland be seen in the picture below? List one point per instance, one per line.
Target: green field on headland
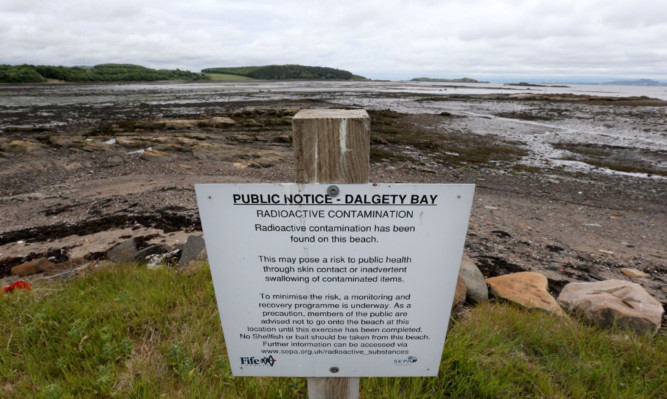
(286, 72)
(128, 331)
(98, 73)
(226, 77)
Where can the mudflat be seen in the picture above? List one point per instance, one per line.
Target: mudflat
(570, 185)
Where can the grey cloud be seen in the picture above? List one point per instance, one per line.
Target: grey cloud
(393, 37)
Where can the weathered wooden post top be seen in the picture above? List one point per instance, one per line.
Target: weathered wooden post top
(331, 145)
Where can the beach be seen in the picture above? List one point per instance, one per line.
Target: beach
(569, 182)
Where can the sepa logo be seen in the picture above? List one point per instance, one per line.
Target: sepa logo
(405, 362)
(253, 361)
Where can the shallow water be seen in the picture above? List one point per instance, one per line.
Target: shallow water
(38, 95)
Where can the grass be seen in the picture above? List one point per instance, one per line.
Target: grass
(224, 76)
(131, 332)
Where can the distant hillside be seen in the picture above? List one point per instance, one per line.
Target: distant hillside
(460, 80)
(636, 82)
(98, 73)
(285, 72)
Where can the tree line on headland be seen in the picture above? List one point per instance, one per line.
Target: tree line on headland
(285, 72)
(133, 73)
(98, 73)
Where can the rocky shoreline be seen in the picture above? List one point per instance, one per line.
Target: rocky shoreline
(72, 193)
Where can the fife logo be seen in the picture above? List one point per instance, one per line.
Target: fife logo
(405, 362)
(253, 361)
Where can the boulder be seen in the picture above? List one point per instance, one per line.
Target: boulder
(144, 255)
(527, 289)
(614, 302)
(474, 280)
(459, 294)
(193, 249)
(33, 267)
(125, 252)
(155, 261)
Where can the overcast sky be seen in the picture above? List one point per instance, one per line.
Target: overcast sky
(391, 39)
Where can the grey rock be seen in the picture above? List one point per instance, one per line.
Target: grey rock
(156, 261)
(125, 252)
(194, 249)
(476, 285)
(614, 302)
(144, 254)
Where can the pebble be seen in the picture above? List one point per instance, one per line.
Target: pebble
(633, 272)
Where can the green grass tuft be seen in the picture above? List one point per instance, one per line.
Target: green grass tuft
(132, 332)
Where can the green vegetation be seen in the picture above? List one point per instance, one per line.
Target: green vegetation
(133, 73)
(98, 73)
(226, 76)
(284, 72)
(19, 74)
(128, 331)
(239, 71)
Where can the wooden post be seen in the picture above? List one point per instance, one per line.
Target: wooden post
(332, 146)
